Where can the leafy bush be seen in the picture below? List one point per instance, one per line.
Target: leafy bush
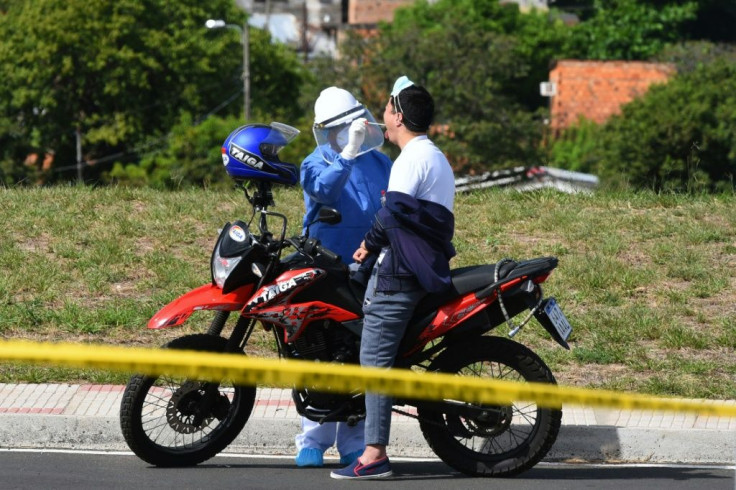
(679, 136)
(575, 148)
(190, 155)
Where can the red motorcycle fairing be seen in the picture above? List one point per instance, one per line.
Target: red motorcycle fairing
(282, 288)
(294, 318)
(457, 311)
(271, 303)
(207, 297)
(451, 314)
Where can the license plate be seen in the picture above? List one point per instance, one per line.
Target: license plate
(558, 319)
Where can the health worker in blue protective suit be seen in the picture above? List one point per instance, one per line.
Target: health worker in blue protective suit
(345, 171)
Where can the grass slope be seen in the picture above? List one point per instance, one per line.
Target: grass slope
(646, 280)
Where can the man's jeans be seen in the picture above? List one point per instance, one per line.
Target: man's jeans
(386, 316)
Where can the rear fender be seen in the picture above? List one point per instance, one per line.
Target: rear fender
(463, 312)
(207, 297)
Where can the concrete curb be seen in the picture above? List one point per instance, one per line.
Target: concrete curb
(262, 436)
(86, 417)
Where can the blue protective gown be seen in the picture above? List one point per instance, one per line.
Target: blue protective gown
(353, 187)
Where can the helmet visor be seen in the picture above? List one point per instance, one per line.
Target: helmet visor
(333, 139)
(279, 136)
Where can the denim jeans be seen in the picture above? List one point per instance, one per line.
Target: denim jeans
(386, 316)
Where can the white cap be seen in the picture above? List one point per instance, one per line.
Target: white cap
(336, 106)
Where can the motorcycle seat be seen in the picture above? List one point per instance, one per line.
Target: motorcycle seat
(480, 278)
(464, 280)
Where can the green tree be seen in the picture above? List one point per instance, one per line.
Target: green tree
(714, 20)
(629, 29)
(482, 62)
(581, 8)
(521, 44)
(122, 71)
(688, 56)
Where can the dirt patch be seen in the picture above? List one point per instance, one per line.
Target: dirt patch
(144, 246)
(592, 375)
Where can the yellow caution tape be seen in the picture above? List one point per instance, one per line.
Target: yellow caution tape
(245, 370)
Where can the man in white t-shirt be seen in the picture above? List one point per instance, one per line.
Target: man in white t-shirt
(411, 241)
(421, 170)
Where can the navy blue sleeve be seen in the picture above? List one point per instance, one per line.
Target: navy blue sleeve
(376, 237)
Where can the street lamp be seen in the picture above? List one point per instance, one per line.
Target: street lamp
(245, 40)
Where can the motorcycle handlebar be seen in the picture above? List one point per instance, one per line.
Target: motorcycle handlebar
(313, 247)
(329, 254)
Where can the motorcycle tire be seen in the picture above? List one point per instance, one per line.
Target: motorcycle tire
(504, 440)
(156, 417)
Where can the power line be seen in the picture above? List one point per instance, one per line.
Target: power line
(143, 146)
(139, 112)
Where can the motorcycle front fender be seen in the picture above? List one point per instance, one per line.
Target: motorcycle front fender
(207, 297)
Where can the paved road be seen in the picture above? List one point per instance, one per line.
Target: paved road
(80, 471)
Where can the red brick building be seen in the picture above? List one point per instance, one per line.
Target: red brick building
(370, 12)
(596, 90)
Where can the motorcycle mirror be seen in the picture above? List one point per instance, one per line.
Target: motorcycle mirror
(331, 216)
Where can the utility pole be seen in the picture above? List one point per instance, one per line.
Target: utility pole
(305, 43)
(80, 179)
(245, 41)
(246, 71)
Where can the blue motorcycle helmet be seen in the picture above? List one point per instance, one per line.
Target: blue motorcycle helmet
(251, 153)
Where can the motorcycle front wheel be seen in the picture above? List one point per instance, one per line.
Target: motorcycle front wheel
(498, 440)
(160, 419)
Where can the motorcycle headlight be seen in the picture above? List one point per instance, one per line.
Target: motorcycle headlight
(222, 267)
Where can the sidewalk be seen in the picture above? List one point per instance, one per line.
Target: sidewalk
(86, 417)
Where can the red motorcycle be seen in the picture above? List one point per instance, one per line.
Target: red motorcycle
(313, 308)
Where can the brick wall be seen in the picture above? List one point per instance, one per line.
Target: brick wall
(368, 12)
(598, 89)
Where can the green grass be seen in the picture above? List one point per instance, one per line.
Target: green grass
(646, 280)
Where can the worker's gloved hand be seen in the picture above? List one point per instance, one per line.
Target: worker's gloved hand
(356, 135)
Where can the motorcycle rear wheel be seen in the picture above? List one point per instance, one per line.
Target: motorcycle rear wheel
(157, 418)
(504, 440)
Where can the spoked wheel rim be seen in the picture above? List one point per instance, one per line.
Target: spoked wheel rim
(163, 420)
(497, 431)
(485, 439)
(168, 413)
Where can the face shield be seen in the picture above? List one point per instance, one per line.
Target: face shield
(332, 135)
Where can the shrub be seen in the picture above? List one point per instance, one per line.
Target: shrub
(679, 136)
